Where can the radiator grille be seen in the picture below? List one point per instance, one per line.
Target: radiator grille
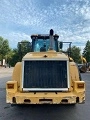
(45, 74)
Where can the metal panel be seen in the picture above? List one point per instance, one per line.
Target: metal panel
(45, 74)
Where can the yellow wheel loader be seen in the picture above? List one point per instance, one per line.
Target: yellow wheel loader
(45, 75)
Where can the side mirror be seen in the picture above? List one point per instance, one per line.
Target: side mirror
(60, 45)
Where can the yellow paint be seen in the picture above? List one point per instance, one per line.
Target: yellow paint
(50, 54)
(69, 97)
(15, 87)
(35, 98)
(17, 74)
(76, 89)
(83, 60)
(74, 71)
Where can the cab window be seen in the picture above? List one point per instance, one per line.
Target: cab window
(42, 45)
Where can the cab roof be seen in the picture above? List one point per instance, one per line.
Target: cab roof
(43, 36)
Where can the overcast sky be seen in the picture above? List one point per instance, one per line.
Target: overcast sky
(69, 18)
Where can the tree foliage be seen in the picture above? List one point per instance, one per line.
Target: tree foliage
(75, 54)
(86, 51)
(15, 57)
(4, 48)
(23, 47)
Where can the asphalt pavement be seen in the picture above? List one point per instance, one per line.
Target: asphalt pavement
(42, 112)
(5, 72)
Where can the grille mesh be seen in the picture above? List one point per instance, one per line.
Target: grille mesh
(45, 74)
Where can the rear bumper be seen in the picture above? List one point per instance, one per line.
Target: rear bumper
(45, 98)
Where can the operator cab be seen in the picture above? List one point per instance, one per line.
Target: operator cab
(41, 43)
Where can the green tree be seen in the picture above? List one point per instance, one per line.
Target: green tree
(9, 56)
(86, 51)
(75, 54)
(15, 57)
(4, 47)
(23, 47)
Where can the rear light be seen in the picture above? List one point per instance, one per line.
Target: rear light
(10, 86)
(80, 85)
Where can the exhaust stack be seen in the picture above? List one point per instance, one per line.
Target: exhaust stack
(51, 39)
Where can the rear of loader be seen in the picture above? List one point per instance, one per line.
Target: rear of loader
(45, 76)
